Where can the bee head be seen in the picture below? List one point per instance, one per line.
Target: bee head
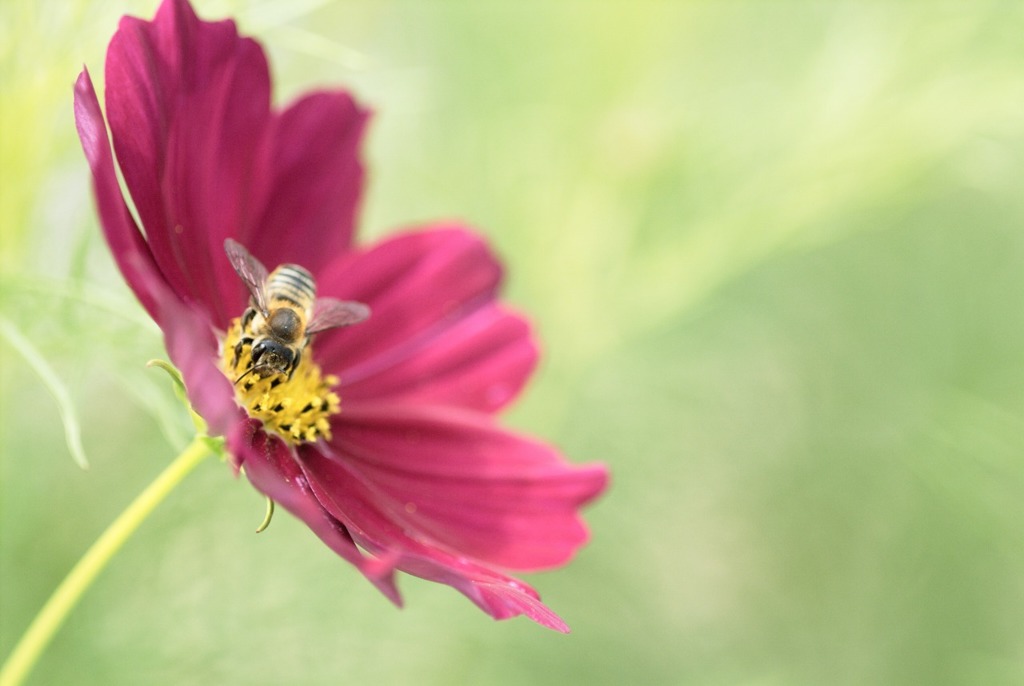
(270, 357)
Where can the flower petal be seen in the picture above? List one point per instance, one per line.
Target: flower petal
(311, 195)
(378, 527)
(126, 242)
(436, 333)
(271, 468)
(193, 347)
(461, 482)
(188, 335)
(204, 158)
(480, 362)
(186, 101)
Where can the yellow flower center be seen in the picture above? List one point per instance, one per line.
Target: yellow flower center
(296, 408)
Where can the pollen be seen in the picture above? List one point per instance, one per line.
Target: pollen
(298, 408)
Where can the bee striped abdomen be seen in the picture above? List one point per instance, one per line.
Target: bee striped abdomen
(294, 285)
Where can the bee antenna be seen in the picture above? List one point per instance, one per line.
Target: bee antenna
(246, 373)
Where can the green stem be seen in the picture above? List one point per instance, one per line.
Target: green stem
(80, 578)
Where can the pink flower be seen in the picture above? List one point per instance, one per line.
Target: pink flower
(411, 473)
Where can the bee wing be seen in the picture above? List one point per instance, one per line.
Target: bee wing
(251, 271)
(329, 313)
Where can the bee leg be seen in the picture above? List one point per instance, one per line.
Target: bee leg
(295, 363)
(242, 342)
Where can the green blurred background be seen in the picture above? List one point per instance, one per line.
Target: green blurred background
(775, 253)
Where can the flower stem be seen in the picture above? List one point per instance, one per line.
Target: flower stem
(50, 618)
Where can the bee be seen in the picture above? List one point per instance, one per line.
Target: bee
(283, 313)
